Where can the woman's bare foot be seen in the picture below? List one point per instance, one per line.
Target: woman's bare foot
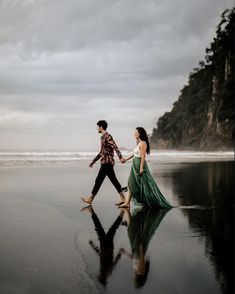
(87, 199)
(124, 205)
(119, 203)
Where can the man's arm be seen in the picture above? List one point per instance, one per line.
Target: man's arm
(98, 156)
(96, 248)
(114, 146)
(129, 157)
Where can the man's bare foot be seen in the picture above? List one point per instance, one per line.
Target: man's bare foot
(87, 200)
(87, 208)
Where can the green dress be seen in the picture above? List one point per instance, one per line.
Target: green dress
(143, 189)
(142, 227)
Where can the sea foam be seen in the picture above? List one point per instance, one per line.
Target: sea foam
(168, 156)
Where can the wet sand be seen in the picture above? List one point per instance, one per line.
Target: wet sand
(49, 246)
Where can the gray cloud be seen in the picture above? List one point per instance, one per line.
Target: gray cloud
(66, 64)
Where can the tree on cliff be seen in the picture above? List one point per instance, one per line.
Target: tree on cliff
(203, 116)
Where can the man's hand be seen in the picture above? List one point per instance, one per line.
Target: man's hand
(91, 164)
(123, 160)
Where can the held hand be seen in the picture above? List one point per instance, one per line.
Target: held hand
(140, 173)
(91, 164)
(123, 160)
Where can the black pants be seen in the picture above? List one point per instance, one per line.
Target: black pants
(106, 238)
(105, 251)
(106, 170)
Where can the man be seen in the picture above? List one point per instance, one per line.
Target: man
(106, 156)
(106, 249)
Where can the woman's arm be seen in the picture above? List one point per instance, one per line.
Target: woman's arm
(129, 157)
(143, 148)
(123, 251)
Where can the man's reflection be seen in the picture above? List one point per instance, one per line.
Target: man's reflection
(141, 226)
(106, 247)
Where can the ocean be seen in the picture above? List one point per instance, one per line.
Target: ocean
(48, 157)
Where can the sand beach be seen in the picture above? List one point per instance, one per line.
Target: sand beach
(48, 244)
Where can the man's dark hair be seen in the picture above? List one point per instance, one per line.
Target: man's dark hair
(103, 124)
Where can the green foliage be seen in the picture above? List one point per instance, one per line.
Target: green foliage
(208, 95)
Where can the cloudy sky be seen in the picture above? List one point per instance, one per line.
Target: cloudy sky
(65, 64)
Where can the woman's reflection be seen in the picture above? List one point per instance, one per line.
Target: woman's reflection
(141, 226)
(106, 247)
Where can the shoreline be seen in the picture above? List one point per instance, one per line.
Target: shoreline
(18, 159)
(74, 164)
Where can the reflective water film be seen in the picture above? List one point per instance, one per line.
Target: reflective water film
(52, 243)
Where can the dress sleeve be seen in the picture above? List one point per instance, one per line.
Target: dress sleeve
(114, 146)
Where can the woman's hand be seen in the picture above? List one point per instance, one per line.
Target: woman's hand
(123, 160)
(140, 173)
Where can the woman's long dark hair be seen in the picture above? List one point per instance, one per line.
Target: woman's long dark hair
(144, 137)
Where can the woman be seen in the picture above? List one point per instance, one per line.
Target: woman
(141, 184)
(141, 226)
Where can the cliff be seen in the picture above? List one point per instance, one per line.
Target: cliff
(203, 116)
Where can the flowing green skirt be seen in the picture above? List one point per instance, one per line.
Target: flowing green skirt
(144, 189)
(142, 227)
